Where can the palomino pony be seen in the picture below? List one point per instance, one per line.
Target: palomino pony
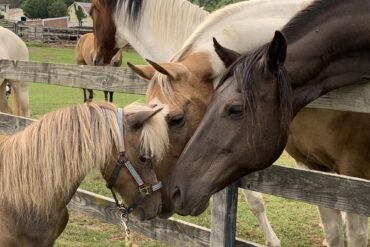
(12, 47)
(261, 93)
(84, 55)
(42, 166)
(184, 85)
(156, 29)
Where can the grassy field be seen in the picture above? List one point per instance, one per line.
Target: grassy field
(296, 224)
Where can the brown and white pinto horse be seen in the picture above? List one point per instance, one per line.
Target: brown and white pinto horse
(85, 53)
(155, 29)
(42, 166)
(262, 92)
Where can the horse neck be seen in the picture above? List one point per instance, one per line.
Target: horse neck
(161, 28)
(325, 59)
(242, 27)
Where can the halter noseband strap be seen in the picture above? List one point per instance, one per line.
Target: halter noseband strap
(144, 190)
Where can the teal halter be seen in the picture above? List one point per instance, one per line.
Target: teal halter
(144, 189)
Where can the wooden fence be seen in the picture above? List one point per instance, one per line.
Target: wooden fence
(45, 34)
(323, 189)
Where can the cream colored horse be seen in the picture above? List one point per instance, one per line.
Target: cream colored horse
(184, 85)
(42, 166)
(13, 48)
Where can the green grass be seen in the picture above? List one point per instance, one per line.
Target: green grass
(295, 223)
(67, 55)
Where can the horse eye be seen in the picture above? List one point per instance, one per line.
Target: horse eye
(176, 121)
(235, 111)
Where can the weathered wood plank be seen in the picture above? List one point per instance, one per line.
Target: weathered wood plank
(351, 98)
(9, 124)
(81, 76)
(171, 231)
(224, 212)
(328, 190)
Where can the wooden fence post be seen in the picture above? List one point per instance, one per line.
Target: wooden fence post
(224, 211)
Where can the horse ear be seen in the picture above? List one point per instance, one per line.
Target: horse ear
(173, 70)
(277, 51)
(138, 119)
(144, 71)
(226, 55)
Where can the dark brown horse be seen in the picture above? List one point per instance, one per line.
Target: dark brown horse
(328, 47)
(85, 53)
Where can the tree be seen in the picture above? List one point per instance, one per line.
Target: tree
(80, 14)
(212, 5)
(16, 3)
(36, 8)
(57, 9)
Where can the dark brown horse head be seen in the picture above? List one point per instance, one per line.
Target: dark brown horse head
(241, 131)
(104, 28)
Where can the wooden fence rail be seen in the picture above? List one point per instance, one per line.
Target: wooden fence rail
(78, 76)
(352, 98)
(32, 32)
(329, 190)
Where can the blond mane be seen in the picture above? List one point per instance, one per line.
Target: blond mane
(154, 138)
(51, 156)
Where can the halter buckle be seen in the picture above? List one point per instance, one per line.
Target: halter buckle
(145, 189)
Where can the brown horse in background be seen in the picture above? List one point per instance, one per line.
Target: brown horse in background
(84, 56)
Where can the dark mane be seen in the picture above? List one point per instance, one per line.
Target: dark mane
(133, 7)
(308, 18)
(242, 71)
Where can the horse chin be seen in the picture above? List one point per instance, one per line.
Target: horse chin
(165, 215)
(200, 207)
(194, 210)
(98, 60)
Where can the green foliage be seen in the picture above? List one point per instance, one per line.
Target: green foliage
(212, 5)
(79, 14)
(16, 3)
(57, 9)
(69, 2)
(44, 8)
(36, 8)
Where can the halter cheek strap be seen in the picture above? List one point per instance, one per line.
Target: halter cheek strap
(144, 190)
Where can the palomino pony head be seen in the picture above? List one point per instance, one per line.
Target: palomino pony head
(243, 130)
(183, 89)
(142, 149)
(42, 166)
